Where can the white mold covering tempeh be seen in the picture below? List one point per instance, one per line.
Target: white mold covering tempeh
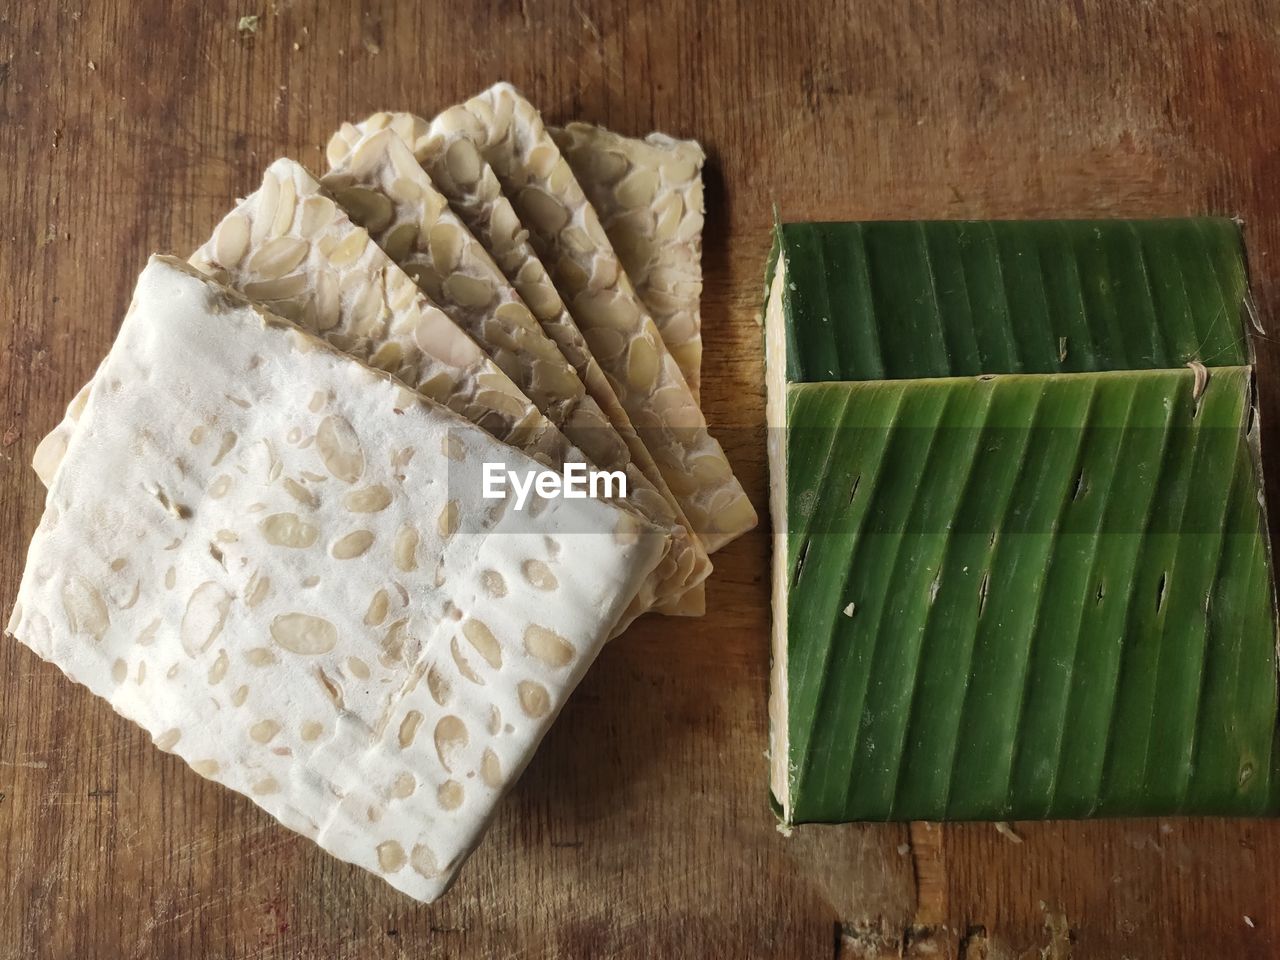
(274, 559)
(383, 188)
(648, 194)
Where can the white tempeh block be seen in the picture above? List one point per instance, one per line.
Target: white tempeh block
(276, 560)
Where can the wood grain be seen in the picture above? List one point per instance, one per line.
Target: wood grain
(642, 828)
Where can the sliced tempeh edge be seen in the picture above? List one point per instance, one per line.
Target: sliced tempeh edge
(290, 247)
(486, 211)
(501, 127)
(383, 187)
(565, 230)
(383, 708)
(648, 194)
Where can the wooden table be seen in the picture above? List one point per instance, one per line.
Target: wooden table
(642, 828)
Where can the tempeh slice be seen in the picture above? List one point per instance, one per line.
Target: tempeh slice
(195, 567)
(648, 194)
(567, 235)
(290, 247)
(565, 230)
(384, 189)
(382, 186)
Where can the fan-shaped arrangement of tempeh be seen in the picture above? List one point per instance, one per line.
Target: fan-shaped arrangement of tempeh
(474, 195)
(270, 536)
(502, 129)
(394, 197)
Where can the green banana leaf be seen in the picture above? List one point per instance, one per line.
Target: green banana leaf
(902, 299)
(1026, 595)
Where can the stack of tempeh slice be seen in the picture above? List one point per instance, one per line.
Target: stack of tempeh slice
(265, 538)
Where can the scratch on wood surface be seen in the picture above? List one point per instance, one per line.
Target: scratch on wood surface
(975, 945)
(928, 864)
(371, 33)
(588, 22)
(211, 840)
(274, 946)
(1058, 930)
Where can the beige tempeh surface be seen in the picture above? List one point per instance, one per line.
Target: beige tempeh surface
(648, 194)
(487, 212)
(382, 186)
(501, 127)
